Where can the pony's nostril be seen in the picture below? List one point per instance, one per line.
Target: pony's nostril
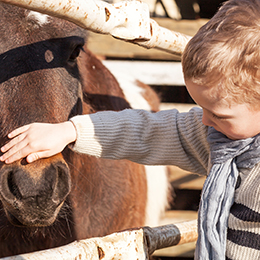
(63, 184)
(13, 187)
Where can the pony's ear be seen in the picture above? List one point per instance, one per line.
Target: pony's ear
(101, 90)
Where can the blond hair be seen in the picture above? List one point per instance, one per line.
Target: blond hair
(225, 52)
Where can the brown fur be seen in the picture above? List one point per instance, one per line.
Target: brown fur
(39, 82)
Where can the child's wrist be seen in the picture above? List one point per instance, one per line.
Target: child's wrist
(71, 132)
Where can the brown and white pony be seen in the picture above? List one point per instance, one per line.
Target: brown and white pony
(47, 74)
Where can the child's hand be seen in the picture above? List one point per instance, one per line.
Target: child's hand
(37, 140)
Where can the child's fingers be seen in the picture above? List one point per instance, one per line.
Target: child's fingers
(15, 154)
(17, 141)
(32, 157)
(36, 156)
(18, 131)
(37, 141)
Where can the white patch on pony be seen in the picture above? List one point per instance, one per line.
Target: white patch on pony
(157, 177)
(41, 19)
(132, 92)
(157, 194)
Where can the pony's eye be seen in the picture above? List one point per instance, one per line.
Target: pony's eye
(75, 53)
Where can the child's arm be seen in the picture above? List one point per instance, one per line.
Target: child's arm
(38, 140)
(162, 138)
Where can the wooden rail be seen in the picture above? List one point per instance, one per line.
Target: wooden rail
(110, 47)
(126, 20)
(127, 245)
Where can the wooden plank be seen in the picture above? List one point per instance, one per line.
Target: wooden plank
(157, 10)
(178, 216)
(149, 72)
(185, 180)
(107, 46)
(189, 27)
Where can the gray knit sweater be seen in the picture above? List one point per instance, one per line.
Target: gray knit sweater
(173, 138)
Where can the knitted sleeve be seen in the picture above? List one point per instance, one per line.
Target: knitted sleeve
(163, 138)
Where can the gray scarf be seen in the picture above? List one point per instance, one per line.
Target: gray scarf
(218, 191)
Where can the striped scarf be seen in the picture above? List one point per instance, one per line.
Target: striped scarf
(219, 188)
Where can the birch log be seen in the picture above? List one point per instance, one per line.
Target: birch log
(126, 20)
(127, 245)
